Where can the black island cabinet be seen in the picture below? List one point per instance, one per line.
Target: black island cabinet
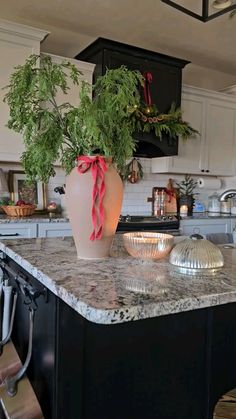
(169, 367)
(165, 87)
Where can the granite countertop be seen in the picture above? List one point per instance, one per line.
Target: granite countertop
(120, 288)
(35, 218)
(207, 215)
(57, 218)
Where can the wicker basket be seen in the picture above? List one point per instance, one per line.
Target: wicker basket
(19, 211)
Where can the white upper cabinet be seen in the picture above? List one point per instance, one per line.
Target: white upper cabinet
(220, 134)
(17, 42)
(212, 152)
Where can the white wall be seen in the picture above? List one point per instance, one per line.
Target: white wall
(206, 78)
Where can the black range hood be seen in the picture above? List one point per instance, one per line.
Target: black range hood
(165, 87)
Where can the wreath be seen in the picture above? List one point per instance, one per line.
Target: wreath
(148, 117)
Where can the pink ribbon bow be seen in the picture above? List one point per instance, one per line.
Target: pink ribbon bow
(98, 168)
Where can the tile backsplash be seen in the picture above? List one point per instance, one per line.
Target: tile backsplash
(135, 195)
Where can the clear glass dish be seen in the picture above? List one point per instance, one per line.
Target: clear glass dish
(148, 245)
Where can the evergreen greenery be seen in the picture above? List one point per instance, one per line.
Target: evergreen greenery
(171, 123)
(103, 125)
(134, 168)
(51, 132)
(186, 186)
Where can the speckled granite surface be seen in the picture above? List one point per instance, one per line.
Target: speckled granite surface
(57, 218)
(35, 218)
(120, 288)
(207, 216)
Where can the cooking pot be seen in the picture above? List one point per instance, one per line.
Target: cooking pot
(196, 255)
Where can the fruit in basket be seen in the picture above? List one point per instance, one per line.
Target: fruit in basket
(20, 202)
(19, 210)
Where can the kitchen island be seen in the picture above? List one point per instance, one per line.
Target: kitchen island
(122, 338)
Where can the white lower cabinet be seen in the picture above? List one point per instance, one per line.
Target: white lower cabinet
(31, 230)
(233, 224)
(54, 229)
(18, 230)
(206, 226)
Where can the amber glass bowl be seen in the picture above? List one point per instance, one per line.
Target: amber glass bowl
(19, 211)
(148, 245)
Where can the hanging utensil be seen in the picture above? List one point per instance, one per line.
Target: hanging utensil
(133, 171)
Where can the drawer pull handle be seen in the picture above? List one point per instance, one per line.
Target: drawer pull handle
(9, 235)
(11, 382)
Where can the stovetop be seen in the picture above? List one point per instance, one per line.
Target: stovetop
(147, 218)
(144, 222)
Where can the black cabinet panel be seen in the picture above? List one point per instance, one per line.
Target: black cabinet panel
(223, 366)
(169, 367)
(153, 368)
(165, 87)
(166, 82)
(41, 370)
(70, 364)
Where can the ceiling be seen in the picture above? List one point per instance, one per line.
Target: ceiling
(150, 24)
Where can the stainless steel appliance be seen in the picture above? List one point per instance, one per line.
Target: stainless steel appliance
(166, 223)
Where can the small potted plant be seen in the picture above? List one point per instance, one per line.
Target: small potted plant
(185, 193)
(90, 140)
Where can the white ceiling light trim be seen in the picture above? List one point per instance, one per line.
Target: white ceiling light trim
(221, 4)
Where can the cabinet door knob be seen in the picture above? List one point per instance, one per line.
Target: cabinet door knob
(207, 171)
(202, 170)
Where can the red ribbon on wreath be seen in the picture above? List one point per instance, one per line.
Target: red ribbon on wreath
(98, 168)
(170, 193)
(146, 88)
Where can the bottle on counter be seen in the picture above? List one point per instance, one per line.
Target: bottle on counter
(233, 205)
(162, 202)
(157, 204)
(214, 204)
(234, 235)
(225, 207)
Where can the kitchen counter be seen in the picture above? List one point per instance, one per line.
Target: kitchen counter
(57, 218)
(123, 332)
(35, 218)
(120, 288)
(207, 215)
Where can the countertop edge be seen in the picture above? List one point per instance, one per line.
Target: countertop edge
(126, 314)
(4, 220)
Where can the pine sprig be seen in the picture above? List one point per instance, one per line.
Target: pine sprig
(54, 132)
(171, 123)
(186, 186)
(60, 132)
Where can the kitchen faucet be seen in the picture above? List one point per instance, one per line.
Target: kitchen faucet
(227, 194)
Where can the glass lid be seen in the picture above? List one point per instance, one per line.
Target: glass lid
(195, 255)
